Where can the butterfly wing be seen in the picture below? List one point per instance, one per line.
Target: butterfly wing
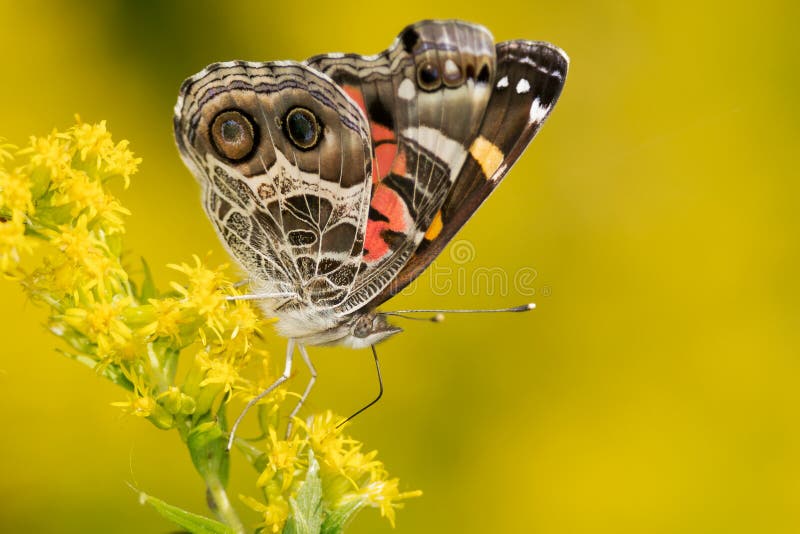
(530, 77)
(425, 98)
(410, 143)
(284, 159)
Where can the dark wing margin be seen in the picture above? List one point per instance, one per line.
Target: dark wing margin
(530, 77)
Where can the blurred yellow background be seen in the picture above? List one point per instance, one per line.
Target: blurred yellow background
(655, 388)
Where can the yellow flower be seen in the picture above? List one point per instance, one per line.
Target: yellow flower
(121, 161)
(219, 371)
(83, 194)
(204, 292)
(52, 152)
(383, 494)
(282, 459)
(79, 190)
(274, 514)
(6, 150)
(326, 440)
(141, 403)
(92, 139)
(12, 241)
(169, 318)
(15, 192)
(244, 322)
(86, 253)
(94, 144)
(102, 322)
(138, 406)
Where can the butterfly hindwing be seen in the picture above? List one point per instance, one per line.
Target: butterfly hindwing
(530, 77)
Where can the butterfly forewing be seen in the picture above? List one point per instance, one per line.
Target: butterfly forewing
(425, 98)
(529, 79)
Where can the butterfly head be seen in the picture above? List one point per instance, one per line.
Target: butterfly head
(369, 329)
(358, 330)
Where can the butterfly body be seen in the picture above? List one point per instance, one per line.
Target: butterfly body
(336, 181)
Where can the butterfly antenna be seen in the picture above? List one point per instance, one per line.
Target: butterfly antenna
(439, 313)
(438, 318)
(380, 389)
(259, 296)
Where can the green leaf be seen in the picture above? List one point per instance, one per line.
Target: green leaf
(207, 446)
(169, 358)
(111, 372)
(339, 518)
(307, 510)
(197, 524)
(40, 182)
(148, 289)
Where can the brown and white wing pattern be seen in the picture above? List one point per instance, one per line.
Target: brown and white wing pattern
(529, 79)
(424, 97)
(284, 159)
(340, 179)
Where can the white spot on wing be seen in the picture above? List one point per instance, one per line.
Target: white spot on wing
(538, 111)
(502, 82)
(406, 90)
(500, 172)
(523, 86)
(451, 69)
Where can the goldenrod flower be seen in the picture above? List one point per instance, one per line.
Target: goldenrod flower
(274, 514)
(51, 153)
(53, 193)
(168, 319)
(13, 241)
(204, 293)
(15, 192)
(382, 494)
(283, 460)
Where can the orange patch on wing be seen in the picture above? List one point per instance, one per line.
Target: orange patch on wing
(384, 155)
(356, 94)
(435, 228)
(387, 202)
(380, 132)
(487, 154)
(399, 165)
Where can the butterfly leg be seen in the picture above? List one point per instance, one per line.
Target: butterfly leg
(310, 385)
(287, 370)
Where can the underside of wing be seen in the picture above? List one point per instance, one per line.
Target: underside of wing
(292, 207)
(530, 77)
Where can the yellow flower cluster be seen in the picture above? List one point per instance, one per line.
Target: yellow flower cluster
(54, 195)
(350, 477)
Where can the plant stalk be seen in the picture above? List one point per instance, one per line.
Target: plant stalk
(224, 509)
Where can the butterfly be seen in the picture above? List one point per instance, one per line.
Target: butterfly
(334, 182)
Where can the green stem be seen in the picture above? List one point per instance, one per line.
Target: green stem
(224, 509)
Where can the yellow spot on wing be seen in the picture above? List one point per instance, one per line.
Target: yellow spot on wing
(435, 227)
(486, 153)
